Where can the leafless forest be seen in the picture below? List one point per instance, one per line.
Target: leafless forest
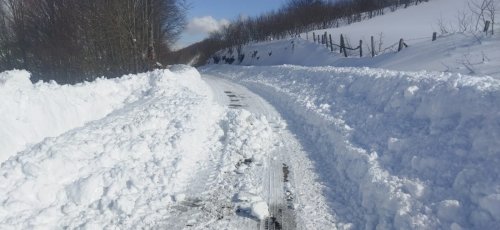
(75, 40)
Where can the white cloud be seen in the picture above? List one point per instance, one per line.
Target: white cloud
(204, 25)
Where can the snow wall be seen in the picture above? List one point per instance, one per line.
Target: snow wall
(120, 171)
(395, 149)
(31, 112)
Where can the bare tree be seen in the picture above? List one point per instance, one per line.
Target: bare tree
(464, 21)
(484, 10)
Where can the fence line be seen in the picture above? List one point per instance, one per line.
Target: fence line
(326, 39)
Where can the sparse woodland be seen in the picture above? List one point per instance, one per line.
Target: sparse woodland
(71, 41)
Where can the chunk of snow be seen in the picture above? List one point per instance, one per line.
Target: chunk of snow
(179, 197)
(410, 91)
(260, 210)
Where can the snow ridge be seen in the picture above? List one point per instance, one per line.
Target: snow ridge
(31, 112)
(119, 171)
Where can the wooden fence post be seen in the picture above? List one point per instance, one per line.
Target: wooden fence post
(401, 42)
(314, 37)
(342, 45)
(331, 43)
(486, 26)
(326, 39)
(373, 47)
(318, 39)
(434, 36)
(360, 48)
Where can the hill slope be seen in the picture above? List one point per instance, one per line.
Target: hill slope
(464, 52)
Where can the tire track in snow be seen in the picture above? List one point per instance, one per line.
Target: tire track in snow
(282, 214)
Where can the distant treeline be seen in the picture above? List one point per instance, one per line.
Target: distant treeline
(71, 41)
(295, 17)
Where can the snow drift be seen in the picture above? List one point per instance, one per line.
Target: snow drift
(398, 150)
(119, 171)
(31, 112)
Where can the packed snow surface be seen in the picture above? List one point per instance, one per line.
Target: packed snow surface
(404, 150)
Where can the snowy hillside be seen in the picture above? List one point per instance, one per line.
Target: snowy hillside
(414, 24)
(459, 52)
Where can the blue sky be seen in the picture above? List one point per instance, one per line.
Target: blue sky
(205, 16)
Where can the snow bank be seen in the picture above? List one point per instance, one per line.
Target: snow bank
(120, 171)
(398, 150)
(31, 112)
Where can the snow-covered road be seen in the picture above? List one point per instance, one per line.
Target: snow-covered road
(175, 150)
(289, 185)
(283, 147)
(403, 150)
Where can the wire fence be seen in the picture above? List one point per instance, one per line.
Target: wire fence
(326, 40)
